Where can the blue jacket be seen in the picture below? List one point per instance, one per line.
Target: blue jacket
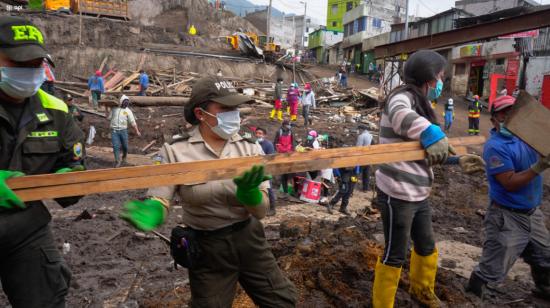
(96, 83)
(267, 146)
(144, 80)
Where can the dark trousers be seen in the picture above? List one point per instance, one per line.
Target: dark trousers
(242, 256)
(271, 195)
(305, 113)
(365, 177)
(142, 91)
(284, 181)
(345, 190)
(119, 138)
(33, 273)
(473, 126)
(404, 220)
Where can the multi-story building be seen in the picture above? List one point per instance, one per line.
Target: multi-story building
(320, 40)
(368, 19)
(288, 31)
(335, 13)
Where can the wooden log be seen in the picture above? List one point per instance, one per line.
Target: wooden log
(72, 92)
(39, 187)
(530, 121)
(149, 101)
(71, 83)
(150, 144)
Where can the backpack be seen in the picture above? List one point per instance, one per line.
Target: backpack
(284, 144)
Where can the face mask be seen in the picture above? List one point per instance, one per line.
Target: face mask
(309, 137)
(434, 93)
(21, 82)
(229, 123)
(260, 139)
(125, 104)
(504, 131)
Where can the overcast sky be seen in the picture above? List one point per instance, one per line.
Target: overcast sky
(318, 8)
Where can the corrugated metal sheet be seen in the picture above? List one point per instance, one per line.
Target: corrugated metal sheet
(535, 47)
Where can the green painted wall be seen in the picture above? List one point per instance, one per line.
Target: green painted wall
(314, 39)
(334, 18)
(368, 57)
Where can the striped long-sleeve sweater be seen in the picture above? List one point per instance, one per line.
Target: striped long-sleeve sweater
(409, 181)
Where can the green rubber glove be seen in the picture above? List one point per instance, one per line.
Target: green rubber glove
(542, 164)
(8, 199)
(439, 152)
(248, 186)
(73, 169)
(145, 215)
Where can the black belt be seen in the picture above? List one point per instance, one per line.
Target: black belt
(225, 230)
(528, 212)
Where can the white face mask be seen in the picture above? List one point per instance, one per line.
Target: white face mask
(229, 123)
(21, 82)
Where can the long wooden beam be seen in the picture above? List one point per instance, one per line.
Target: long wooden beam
(47, 186)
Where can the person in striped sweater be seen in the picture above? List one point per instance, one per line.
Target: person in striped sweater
(403, 188)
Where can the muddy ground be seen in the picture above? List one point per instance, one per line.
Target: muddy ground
(329, 257)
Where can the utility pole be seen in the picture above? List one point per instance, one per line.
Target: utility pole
(268, 31)
(304, 32)
(405, 35)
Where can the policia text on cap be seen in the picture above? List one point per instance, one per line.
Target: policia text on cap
(223, 241)
(37, 136)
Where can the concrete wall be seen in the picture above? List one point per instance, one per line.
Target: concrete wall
(374, 41)
(86, 60)
(145, 11)
(480, 7)
(537, 67)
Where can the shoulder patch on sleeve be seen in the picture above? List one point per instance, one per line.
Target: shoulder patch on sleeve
(495, 162)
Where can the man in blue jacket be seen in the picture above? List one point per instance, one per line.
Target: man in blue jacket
(143, 83)
(96, 85)
(347, 178)
(514, 224)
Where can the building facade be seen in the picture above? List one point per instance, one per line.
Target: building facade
(335, 13)
(318, 42)
(369, 19)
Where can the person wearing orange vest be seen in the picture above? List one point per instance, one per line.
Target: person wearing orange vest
(474, 112)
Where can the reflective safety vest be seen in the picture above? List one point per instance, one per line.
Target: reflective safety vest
(474, 111)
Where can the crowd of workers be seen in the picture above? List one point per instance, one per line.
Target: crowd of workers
(222, 241)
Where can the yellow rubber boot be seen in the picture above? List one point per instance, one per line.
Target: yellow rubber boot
(422, 279)
(272, 114)
(288, 110)
(293, 117)
(386, 280)
(280, 115)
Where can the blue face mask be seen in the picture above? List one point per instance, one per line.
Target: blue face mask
(434, 93)
(229, 123)
(504, 131)
(21, 82)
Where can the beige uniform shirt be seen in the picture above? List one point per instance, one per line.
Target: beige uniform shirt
(210, 205)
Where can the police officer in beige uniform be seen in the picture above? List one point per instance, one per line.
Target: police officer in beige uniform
(222, 215)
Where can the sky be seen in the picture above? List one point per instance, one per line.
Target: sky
(318, 8)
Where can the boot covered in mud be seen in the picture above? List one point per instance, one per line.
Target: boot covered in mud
(422, 279)
(541, 277)
(344, 209)
(272, 114)
(477, 285)
(386, 280)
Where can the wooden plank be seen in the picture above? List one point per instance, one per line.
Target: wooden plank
(39, 187)
(530, 121)
(114, 81)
